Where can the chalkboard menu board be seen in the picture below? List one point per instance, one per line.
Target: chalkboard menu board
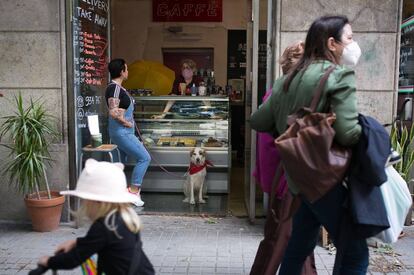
(90, 59)
(406, 77)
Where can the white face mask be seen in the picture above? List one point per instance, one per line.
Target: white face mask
(351, 54)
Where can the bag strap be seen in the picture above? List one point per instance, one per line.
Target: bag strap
(275, 184)
(315, 100)
(319, 89)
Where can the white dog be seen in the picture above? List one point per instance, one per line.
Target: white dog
(194, 185)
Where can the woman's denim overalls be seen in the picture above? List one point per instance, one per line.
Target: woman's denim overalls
(128, 143)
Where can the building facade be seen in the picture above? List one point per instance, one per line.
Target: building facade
(37, 58)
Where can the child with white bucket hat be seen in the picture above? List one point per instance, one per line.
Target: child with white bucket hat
(114, 233)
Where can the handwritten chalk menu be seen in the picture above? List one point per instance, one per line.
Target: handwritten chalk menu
(90, 53)
(406, 77)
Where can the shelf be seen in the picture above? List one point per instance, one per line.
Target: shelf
(181, 98)
(178, 120)
(237, 103)
(191, 117)
(183, 148)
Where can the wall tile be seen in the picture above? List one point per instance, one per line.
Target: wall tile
(365, 15)
(378, 104)
(30, 60)
(33, 15)
(376, 68)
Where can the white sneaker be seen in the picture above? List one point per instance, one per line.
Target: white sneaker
(138, 202)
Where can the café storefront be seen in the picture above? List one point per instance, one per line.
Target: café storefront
(43, 60)
(227, 39)
(210, 32)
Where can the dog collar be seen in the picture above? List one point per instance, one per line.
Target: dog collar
(197, 168)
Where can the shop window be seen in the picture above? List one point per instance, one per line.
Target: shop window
(406, 68)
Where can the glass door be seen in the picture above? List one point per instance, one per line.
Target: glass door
(260, 67)
(90, 55)
(252, 56)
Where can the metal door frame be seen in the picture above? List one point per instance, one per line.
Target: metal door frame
(252, 55)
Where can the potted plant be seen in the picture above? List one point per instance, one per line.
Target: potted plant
(403, 141)
(30, 132)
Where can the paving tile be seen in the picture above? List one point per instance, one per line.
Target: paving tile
(222, 264)
(208, 270)
(180, 269)
(222, 270)
(236, 270)
(187, 245)
(192, 270)
(167, 269)
(168, 263)
(209, 264)
(237, 266)
(182, 264)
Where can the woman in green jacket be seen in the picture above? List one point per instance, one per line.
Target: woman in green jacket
(329, 41)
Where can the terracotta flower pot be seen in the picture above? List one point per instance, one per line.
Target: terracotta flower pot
(45, 213)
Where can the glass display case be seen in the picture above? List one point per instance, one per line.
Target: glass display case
(192, 121)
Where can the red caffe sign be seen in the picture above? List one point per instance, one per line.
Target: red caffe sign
(187, 11)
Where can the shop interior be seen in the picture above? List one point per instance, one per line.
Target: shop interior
(219, 50)
(154, 36)
(406, 70)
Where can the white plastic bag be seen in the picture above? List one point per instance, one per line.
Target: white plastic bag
(397, 200)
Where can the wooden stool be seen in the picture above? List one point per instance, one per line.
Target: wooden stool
(104, 148)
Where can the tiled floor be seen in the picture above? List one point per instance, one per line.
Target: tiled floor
(217, 204)
(171, 203)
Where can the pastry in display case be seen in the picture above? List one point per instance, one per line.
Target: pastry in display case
(212, 142)
(191, 122)
(175, 141)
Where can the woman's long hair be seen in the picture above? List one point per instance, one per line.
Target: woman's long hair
(291, 56)
(94, 210)
(316, 47)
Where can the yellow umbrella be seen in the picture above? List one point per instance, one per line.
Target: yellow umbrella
(145, 74)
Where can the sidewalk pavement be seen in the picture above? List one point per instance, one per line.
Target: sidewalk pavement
(190, 245)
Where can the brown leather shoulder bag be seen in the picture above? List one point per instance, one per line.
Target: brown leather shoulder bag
(311, 158)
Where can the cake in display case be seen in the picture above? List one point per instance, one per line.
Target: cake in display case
(192, 121)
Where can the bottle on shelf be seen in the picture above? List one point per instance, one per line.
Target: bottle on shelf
(201, 72)
(229, 90)
(194, 90)
(213, 83)
(202, 90)
(208, 82)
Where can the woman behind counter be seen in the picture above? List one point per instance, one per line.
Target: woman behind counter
(186, 80)
(188, 69)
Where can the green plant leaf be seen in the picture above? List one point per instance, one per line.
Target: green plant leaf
(31, 131)
(404, 137)
(402, 141)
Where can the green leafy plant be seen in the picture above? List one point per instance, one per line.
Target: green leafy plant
(402, 141)
(31, 132)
